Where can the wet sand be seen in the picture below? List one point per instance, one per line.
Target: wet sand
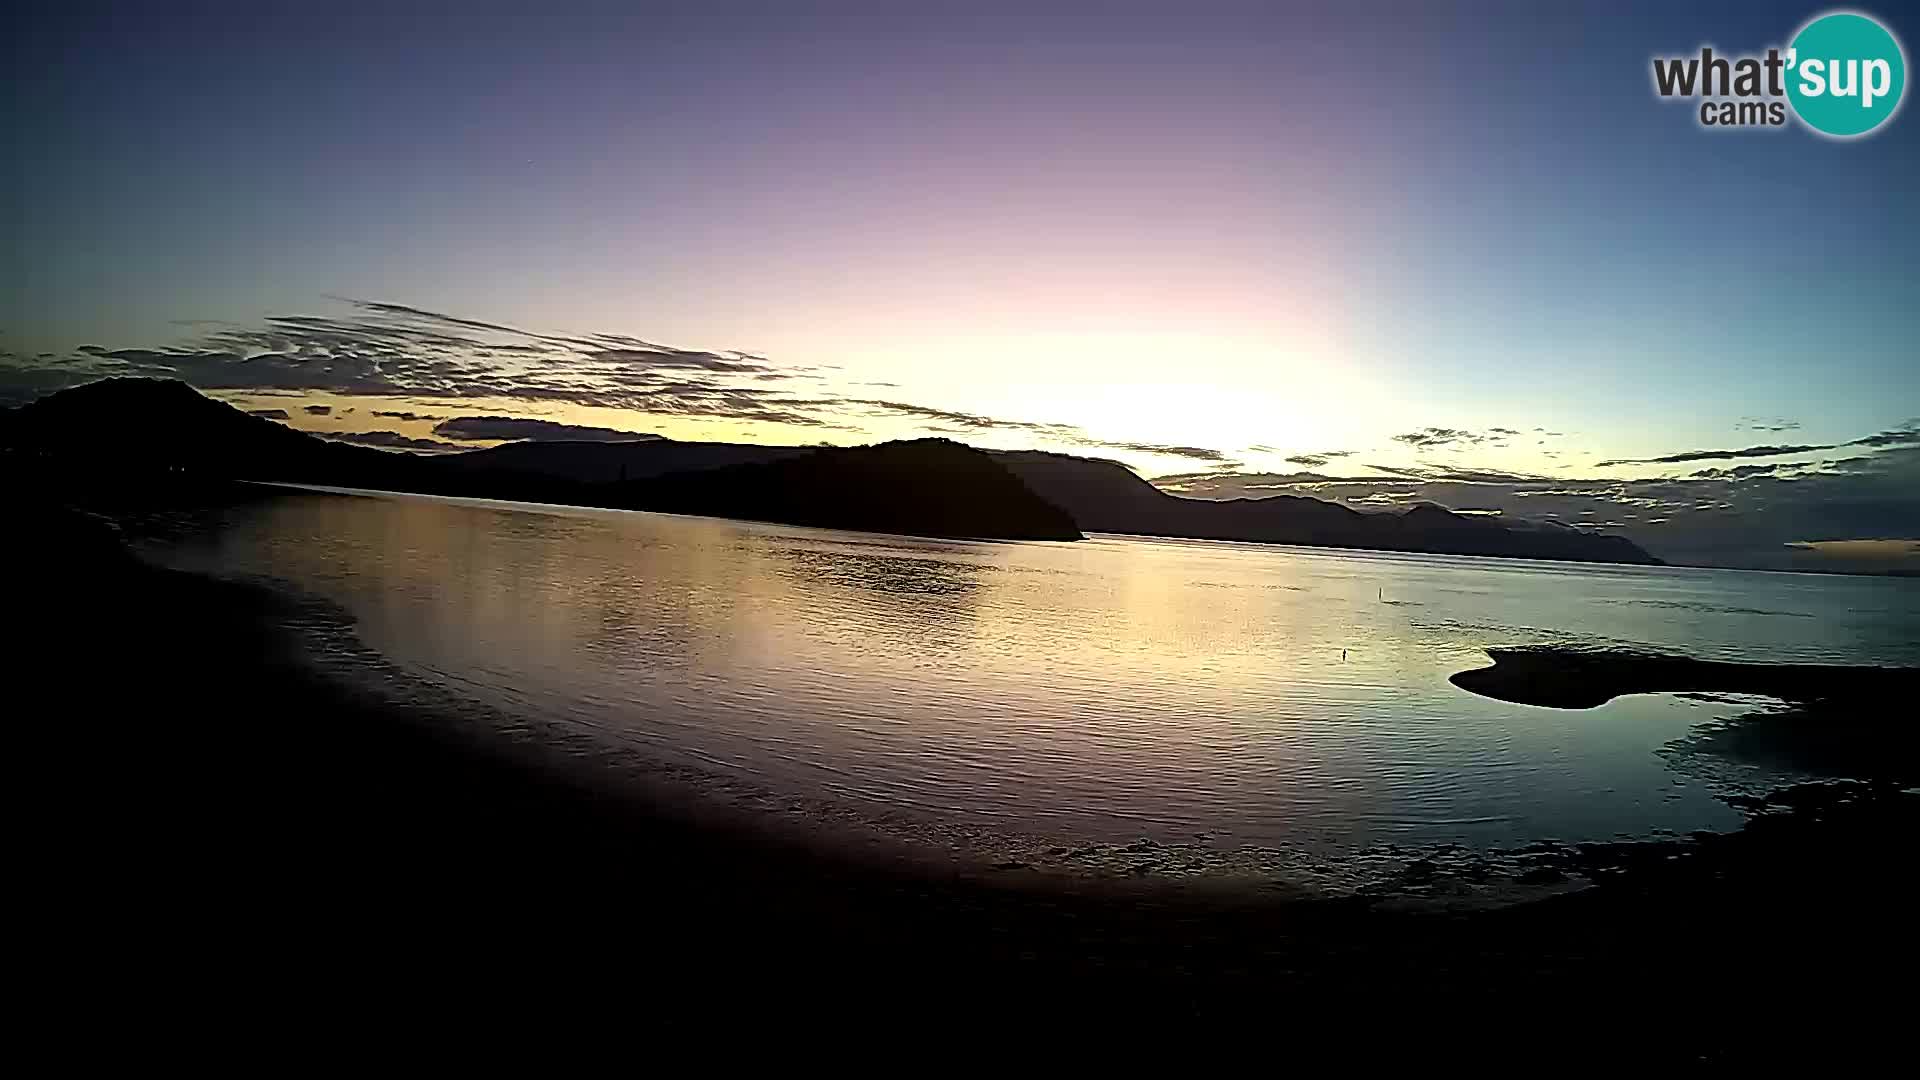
(216, 806)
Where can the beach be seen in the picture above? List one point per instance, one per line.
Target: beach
(292, 829)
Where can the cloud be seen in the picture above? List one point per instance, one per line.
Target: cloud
(270, 414)
(389, 440)
(1427, 438)
(1770, 424)
(1717, 455)
(380, 349)
(967, 420)
(1315, 460)
(1906, 434)
(317, 410)
(1741, 472)
(953, 421)
(1197, 453)
(1458, 475)
(421, 314)
(395, 415)
(656, 357)
(485, 428)
(1436, 438)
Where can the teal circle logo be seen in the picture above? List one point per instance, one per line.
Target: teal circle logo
(1845, 74)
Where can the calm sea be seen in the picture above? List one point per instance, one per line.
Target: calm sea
(1105, 691)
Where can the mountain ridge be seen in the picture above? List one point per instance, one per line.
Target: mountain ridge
(116, 420)
(125, 428)
(1106, 496)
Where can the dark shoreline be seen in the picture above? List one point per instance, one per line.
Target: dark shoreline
(1578, 678)
(287, 830)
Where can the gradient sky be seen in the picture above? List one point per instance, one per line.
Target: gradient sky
(1258, 233)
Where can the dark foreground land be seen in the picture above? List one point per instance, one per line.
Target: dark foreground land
(226, 844)
(1567, 678)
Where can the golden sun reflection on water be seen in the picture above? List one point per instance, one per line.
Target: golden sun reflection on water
(1116, 687)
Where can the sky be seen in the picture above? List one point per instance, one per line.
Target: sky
(1353, 250)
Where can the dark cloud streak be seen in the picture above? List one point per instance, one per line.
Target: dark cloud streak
(408, 416)
(1718, 455)
(1907, 434)
(1446, 438)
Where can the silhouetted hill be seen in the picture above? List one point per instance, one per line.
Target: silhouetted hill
(162, 425)
(119, 430)
(610, 462)
(930, 487)
(1105, 496)
(926, 487)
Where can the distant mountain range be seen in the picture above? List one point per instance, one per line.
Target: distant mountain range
(931, 487)
(612, 462)
(1105, 496)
